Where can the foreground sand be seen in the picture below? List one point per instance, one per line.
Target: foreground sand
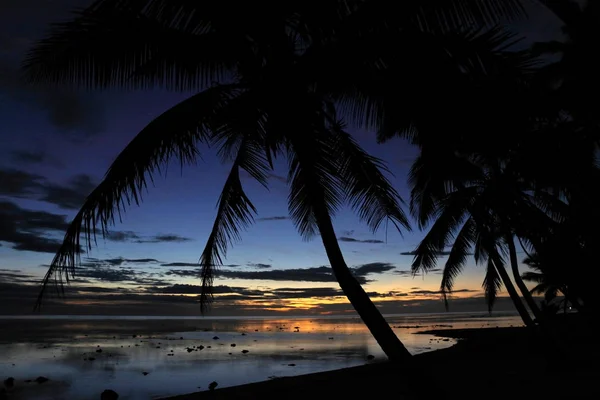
(497, 363)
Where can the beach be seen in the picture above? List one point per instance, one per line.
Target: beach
(182, 356)
(490, 363)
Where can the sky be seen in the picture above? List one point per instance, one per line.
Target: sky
(55, 147)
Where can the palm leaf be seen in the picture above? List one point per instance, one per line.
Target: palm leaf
(369, 192)
(108, 47)
(449, 215)
(313, 174)
(492, 283)
(457, 258)
(175, 134)
(235, 212)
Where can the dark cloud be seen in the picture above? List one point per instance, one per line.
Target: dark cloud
(69, 196)
(373, 268)
(195, 265)
(294, 293)
(275, 218)
(353, 240)
(348, 233)
(20, 184)
(30, 230)
(33, 157)
(130, 236)
(260, 265)
(314, 274)
(423, 292)
(439, 253)
(413, 253)
(197, 289)
(165, 238)
(122, 236)
(75, 116)
(18, 292)
(115, 262)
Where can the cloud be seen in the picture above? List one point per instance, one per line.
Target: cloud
(314, 274)
(30, 230)
(180, 299)
(373, 268)
(414, 253)
(439, 253)
(275, 218)
(195, 265)
(20, 184)
(130, 236)
(75, 116)
(348, 232)
(33, 157)
(295, 293)
(260, 265)
(115, 262)
(68, 196)
(165, 238)
(423, 292)
(353, 240)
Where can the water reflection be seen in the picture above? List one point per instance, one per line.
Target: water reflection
(84, 357)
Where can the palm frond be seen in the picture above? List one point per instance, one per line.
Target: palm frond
(492, 283)
(367, 189)
(117, 47)
(453, 14)
(430, 184)
(235, 212)
(313, 177)
(533, 277)
(449, 214)
(457, 258)
(175, 134)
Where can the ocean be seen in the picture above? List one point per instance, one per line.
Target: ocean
(155, 357)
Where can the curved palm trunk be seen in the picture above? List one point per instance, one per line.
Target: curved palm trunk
(514, 296)
(514, 264)
(368, 312)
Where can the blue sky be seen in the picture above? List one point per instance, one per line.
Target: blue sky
(56, 147)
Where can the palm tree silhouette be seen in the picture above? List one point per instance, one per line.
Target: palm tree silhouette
(472, 211)
(548, 283)
(574, 74)
(264, 91)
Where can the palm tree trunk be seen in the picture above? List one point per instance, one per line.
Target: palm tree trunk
(514, 296)
(514, 264)
(368, 312)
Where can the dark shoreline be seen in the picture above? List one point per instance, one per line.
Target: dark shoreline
(491, 363)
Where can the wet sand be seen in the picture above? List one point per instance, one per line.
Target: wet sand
(492, 363)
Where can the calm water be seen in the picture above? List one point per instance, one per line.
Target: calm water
(60, 349)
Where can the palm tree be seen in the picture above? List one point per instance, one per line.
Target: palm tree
(470, 215)
(575, 73)
(262, 93)
(548, 283)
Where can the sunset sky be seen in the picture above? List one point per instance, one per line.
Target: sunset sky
(55, 147)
